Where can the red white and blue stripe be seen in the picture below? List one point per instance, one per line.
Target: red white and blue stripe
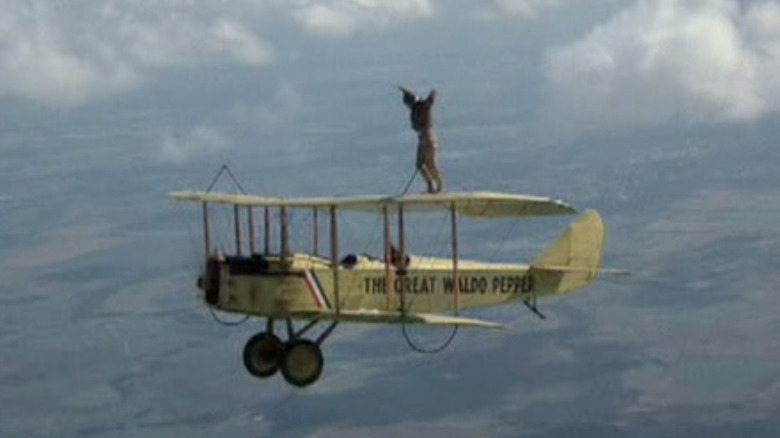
(313, 283)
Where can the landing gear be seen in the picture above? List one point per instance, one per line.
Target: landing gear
(301, 363)
(299, 359)
(261, 354)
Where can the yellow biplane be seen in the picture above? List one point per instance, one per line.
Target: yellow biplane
(393, 288)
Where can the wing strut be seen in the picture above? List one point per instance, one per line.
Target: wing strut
(401, 269)
(285, 230)
(266, 231)
(315, 232)
(250, 219)
(456, 289)
(206, 230)
(389, 290)
(237, 227)
(334, 255)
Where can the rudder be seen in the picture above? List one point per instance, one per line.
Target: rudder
(574, 259)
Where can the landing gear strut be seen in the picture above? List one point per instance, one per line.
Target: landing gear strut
(299, 359)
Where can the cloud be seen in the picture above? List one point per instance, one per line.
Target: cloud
(281, 111)
(62, 54)
(178, 147)
(341, 18)
(239, 43)
(65, 54)
(693, 61)
(526, 8)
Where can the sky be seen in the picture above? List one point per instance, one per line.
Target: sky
(661, 114)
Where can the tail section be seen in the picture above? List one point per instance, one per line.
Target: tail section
(572, 261)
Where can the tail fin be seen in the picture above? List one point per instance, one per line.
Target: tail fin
(573, 260)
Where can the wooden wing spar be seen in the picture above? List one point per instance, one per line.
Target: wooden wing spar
(472, 204)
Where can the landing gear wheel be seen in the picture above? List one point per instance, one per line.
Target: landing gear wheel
(301, 363)
(262, 353)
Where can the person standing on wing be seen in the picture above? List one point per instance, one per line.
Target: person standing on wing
(422, 124)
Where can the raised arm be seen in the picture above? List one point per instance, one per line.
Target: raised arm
(429, 101)
(409, 97)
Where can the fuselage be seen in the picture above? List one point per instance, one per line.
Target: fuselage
(274, 286)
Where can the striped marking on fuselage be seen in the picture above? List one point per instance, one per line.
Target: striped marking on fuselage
(316, 290)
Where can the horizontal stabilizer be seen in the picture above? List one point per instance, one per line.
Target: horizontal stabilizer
(372, 316)
(559, 268)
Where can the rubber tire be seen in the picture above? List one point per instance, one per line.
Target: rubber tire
(262, 354)
(301, 363)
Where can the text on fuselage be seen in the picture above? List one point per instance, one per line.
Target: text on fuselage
(421, 284)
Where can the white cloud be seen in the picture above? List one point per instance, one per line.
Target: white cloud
(670, 60)
(232, 38)
(202, 140)
(340, 18)
(62, 54)
(498, 9)
(280, 112)
(525, 8)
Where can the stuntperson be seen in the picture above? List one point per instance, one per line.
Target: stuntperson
(427, 145)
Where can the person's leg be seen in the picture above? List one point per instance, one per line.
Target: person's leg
(422, 165)
(433, 169)
(430, 165)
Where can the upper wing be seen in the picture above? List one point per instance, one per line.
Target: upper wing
(385, 317)
(475, 204)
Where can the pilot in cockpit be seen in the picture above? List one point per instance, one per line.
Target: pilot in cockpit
(350, 260)
(396, 259)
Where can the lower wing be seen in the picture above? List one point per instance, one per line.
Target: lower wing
(380, 316)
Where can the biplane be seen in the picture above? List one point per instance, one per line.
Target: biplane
(394, 288)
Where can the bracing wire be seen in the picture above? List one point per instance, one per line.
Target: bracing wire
(502, 242)
(404, 330)
(409, 184)
(226, 169)
(435, 350)
(227, 323)
(371, 242)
